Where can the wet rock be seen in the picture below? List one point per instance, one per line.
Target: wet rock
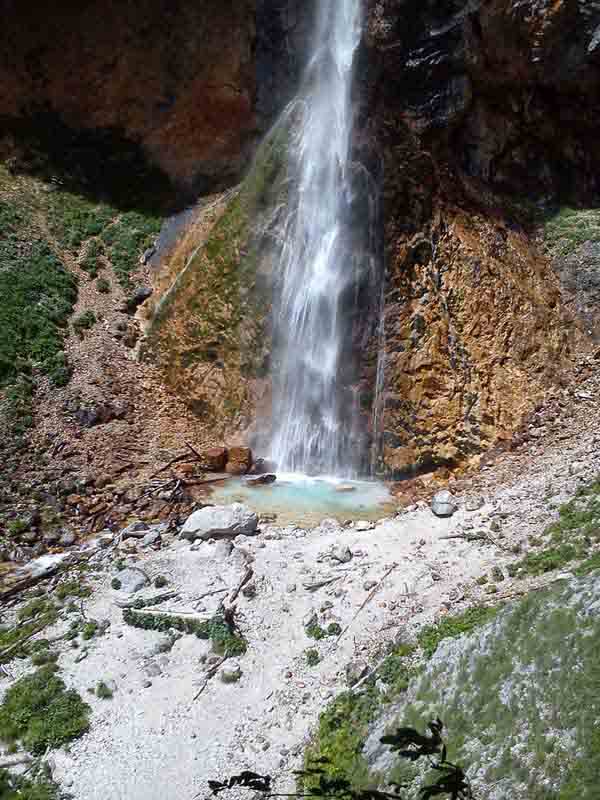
(261, 480)
(220, 521)
(343, 488)
(262, 466)
(443, 504)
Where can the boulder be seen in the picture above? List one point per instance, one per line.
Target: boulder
(231, 673)
(443, 504)
(216, 522)
(262, 466)
(239, 460)
(131, 580)
(214, 459)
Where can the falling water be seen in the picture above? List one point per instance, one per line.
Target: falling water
(317, 263)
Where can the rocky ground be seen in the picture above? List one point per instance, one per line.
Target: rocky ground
(181, 716)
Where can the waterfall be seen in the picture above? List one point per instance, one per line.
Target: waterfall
(316, 269)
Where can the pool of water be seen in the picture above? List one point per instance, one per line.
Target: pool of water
(305, 501)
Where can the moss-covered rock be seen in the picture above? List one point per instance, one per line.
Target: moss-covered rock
(520, 699)
(210, 330)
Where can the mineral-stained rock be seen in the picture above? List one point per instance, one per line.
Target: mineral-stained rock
(443, 504)
(214, 459)
(220, 521)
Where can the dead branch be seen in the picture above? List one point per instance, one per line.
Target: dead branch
(247, 576)
(367, 600)
(210, 674)
(175, 460)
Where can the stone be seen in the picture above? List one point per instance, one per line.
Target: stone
(151, 538)
(474, 503)
(231, 672)
(235, 468)
(51, 538)
(137, 530)
(497, 574)
(342, 553)
(220, 521)
(239, 460)
(363, 525)
(214, 459)
(262, 466)
(222, 549)
(443, 504)
(152, 669)
(261, 480)
(345, 487)
(367, 585)
(67, 538)
(356, 670)
(132, 580)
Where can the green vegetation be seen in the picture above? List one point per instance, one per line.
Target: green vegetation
(40, 712)
(103, 691)
(160, 581)
(84, 322)
(452, 627)
(312, 657)
(522, 701)
(315, 631)
(32, 619)
(91, 261)
(225, 639)
(103, 286)
(18, 787)
(569, 228)
(72, 588)
(395, 671)
(571, 537)
(116, 584)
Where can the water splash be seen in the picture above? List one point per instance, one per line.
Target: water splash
(317, 263)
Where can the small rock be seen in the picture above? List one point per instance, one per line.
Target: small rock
(152, 669)
(343, 488)
(249, 590)
(137, 530)
(356, 670)
(443, 504)
(475, 503)
(222, 549)
(146, 684)
(367, 585)
(363, 525)
(342, 553)
(67, 539)
(497, 574)
(231, 672)
(151, 538)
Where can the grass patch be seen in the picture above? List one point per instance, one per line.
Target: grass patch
(312, 657)
(225, 639)
(395, 671)
(40, 712)
(32, 618)
(103, 691)
(569, 228)
(451, 627)
(103, 286)
(572, 536)
(84, 322)
(160, 581)
(18, 787)
(315, 631)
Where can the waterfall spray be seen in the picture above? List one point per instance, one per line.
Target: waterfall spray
(317, 261)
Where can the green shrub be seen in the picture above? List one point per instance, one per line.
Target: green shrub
(103, 286)
(19, 787)
(84, 322)
(312, 657)
(452, 627)
(116, 584)
(40, 712)
(160, 581)
(103, 691)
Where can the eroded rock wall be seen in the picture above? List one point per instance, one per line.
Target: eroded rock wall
(485, 115)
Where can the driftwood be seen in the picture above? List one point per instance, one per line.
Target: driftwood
(367, 600)
(210, 674)
(247, 576)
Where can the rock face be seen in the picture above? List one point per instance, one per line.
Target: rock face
(169, 86)
(518, 700)
(220, 521)
(485, 116)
